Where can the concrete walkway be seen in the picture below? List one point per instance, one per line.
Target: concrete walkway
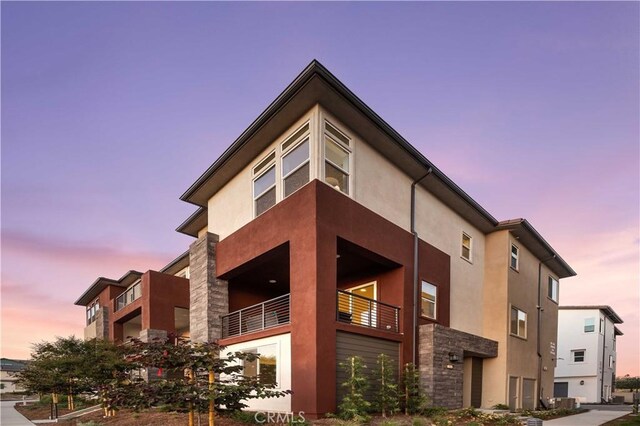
(590, 418)
(10, 417)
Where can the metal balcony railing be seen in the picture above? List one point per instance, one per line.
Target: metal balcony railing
(134, 292)
(270, 313)
(359, 310)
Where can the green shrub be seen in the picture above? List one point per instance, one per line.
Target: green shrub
(418, 421)
(354, 406)
(432, 412)
(247, 417)
(500, 407)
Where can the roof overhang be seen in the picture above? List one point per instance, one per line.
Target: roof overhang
(617, 332)
(101, 283)
(606, 309)
(316, 85)
(194, 223)
(177, 264)
(527, 235)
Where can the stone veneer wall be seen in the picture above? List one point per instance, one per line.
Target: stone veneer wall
(440, 378)
(209, 296)
(102, 323)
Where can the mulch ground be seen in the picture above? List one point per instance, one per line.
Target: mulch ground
(39, 411)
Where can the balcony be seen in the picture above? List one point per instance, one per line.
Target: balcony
(265, 315)
(363, 311)
(129, 296)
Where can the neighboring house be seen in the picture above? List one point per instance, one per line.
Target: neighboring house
(140, 305)
(322, 233)
(586, 368)
(9, 368)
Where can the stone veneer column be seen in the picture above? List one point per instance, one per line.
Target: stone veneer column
(102, 323)
(209, 296)
(149, 335)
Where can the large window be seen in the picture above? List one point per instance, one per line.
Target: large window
(552, 291)
(518, 322)
(92, 311)
(336, 154)
(515, 257)
(264, 184)
(295, 167)
(466, 247)
(589, 325)
(577, 355)
(429, 300)
(265, 366)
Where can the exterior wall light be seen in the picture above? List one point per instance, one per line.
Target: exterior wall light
(453, 357)
(582, 382)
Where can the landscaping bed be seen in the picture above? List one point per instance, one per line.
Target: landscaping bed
(628, 420)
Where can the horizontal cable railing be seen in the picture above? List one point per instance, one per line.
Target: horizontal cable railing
(133, 293)
(360, 310)
(270, 313)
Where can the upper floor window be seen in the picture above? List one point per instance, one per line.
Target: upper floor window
(183, 273)
(429, 297)
(131, 294)
(336, 155)
(611, 361)
(589, 325)
(518, 322)
(466, 247)
(553, 289)
(515, 257)
(295, 165)
(577, 355)
(601, 325)
(92, 311)
(264, 184)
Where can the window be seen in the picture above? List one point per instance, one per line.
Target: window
(553, 289)
(577, 355)
(466, 247)
(429, 297)
(611, 361)
(589, 325)
(601, 325)
(518, 322)
(336, 155)
(515, 253)
(264, 366)
(295, 165)
(92, 311)
(264, 184)
(183, 273)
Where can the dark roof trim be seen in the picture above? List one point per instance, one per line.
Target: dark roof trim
(101, 283)
(606, 309)
(617, 332)
(194, 223)
(176, 262)
(512, 224)
(315, 68)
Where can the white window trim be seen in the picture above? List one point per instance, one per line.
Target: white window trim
(526, 323)
(326, 117)
(573, 357)
(557, 285)
(470, 259)
(255, 177)
(294, 145)
(517, 257)
(435, 302)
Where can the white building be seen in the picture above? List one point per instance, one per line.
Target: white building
(586, 363)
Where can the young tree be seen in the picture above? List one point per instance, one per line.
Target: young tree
(414, 399)
(354, 406)
(387, 392)
(628, 382)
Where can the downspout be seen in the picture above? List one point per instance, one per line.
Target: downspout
(542, 262)
(415, 261)
(604, 343)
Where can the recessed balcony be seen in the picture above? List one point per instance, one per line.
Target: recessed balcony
(363, 311)
(258, 317)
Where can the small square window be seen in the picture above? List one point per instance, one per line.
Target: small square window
(466, 247)
(515, 257)
(578, 355)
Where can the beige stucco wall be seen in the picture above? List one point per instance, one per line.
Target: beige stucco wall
(232, 206)
(496, 318)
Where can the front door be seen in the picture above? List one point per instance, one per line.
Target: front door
(513, 393)
(476, 382)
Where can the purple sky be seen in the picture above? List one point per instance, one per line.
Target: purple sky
(111, 110)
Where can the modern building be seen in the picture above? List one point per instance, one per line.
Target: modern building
(586, 368)
(9, 369)
(140, 305)
(322, 233)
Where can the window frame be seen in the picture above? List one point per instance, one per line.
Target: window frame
(574, 352)
(550, 286)
(585, 325)
(345, 146)
(92, 311)
(516, 257)
(435, 301)
(257, 175)
(277, 355)
(305, 137)
(526, 323)
(602, 326)
(470, 248)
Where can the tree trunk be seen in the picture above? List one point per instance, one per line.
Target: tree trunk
(212, 409)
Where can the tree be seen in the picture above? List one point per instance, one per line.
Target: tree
(354, 406)
(628, 382)
(414, 399)
(387, 392)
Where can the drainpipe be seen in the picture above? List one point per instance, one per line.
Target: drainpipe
(415, 260)
(542, 262)
(604, 343)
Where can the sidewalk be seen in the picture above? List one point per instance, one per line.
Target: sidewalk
(10, 417)
(590, 418)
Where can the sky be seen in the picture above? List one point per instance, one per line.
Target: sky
(110, 110)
